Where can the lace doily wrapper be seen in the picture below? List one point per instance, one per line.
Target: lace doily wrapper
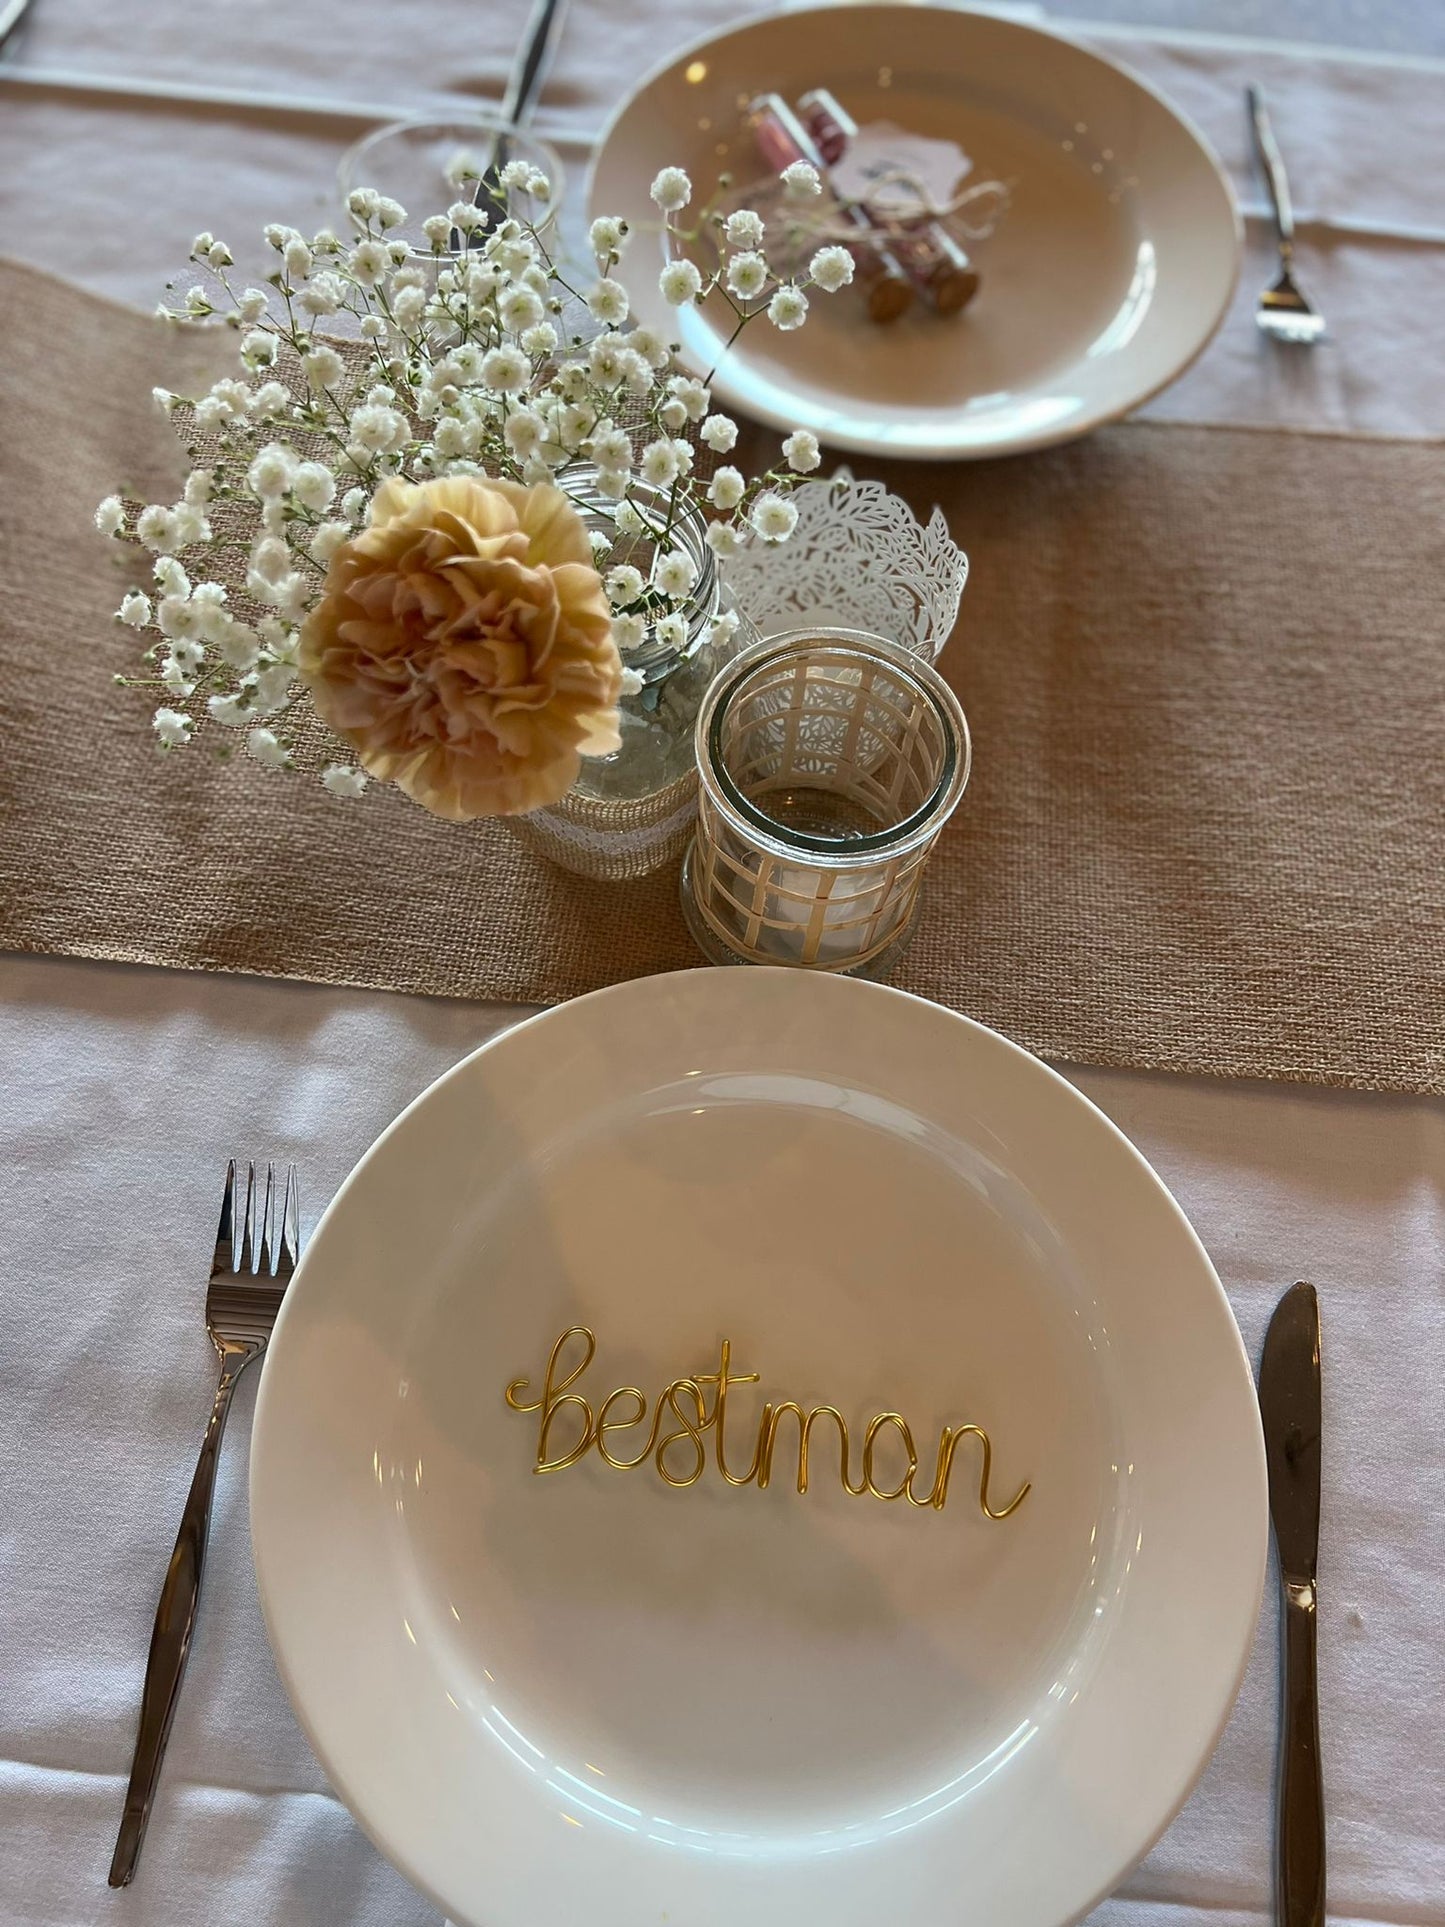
(858, 559)
(613, 840)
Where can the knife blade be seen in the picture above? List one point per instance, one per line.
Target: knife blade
(524, 83)
(1290, 1407)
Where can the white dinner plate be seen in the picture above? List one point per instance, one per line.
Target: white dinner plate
(593, 1696)
(1112, 269)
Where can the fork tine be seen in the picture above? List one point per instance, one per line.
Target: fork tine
(290, 1233)
(267, 1233)
(248, 1246)
(223, 1258)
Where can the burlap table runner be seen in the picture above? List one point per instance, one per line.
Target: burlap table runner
(1204, 669)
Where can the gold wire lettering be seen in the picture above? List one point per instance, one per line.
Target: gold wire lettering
(686, 1401)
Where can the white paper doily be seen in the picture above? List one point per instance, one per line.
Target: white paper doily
(858, 559)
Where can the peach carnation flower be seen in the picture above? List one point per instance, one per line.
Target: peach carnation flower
(463, 646)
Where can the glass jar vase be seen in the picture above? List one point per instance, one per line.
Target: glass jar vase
(631, 813)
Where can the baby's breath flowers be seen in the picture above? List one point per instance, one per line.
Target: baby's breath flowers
(477, 419)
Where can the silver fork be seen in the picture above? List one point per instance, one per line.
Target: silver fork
(1283, 311)
(242, 1301)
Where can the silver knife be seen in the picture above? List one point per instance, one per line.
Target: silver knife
(524, 83)
(1289, 1403)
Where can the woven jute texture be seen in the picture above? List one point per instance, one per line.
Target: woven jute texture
(1205, 671)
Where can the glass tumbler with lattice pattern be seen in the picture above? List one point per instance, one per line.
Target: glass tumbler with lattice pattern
(829, 761)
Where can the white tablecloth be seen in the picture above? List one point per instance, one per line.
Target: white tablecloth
(126, 1090)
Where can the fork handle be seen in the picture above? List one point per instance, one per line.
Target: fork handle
(1274, 174)
(175, 1622)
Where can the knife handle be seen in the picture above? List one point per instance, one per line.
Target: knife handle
(1301, 1868)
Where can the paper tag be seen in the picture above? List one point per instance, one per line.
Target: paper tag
(902, 172)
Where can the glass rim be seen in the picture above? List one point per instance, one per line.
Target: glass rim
(826, 851)
(483, 121)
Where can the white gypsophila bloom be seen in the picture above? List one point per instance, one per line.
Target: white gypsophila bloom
(134, 610)
(452, 440)
(539, 340)
(463, 364)
(175, 617)
(389, 213)
(164, 400)
(274, 515)
(190, 525)
(831, 268)
(628, 521)
(683, 451)
(608, 301)
(171, 578)
(297, 256)
(369, 262)
(628, 632)
(270, 560)
(324, 367)
(326, 241)
(801, 181)
(172, 727)
(271, 400)
(269, 475)
(743, 229)
(680, 282)
(505, 370)
(398, 253)
(788, 309)
(723, 539)
(372, 327)
(354, 504)
(344, 779)
(173, 675)
(233, 711)
(727, 488)
(258, 348)
(437, 229)
(272, 686)
(613, 483)
(671, 631)
(720, 432)
(110, 515)
(575, 423)
(611, 447)
(197, 491)
(202, 244)
(606, 235)
(327, 540)
(377, 428)
(636, 374)
(676, 575)
(604, 361)
(408, 306)
(187, 654)
(648, 343)
(282, 641)
(671, 190)
(218, 255)
(535, 470)
(513, 256)
(523, 432)
(572, 381)
(198, 302)
(266, 748)
(747, 275)
(660, 465)
(156, 527)
(773, 516)
(600, 544)
(294, 596)
(692, 394)
(411, 276)
(632, 683)
(252, 305)
(363, 202)
(236, 645)
(624, 584)
(519, 307)
(672, 414)
(800, 451)
(227, 401)
(539, 280)
(322, 296)
(314, 486)
(724, 626)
